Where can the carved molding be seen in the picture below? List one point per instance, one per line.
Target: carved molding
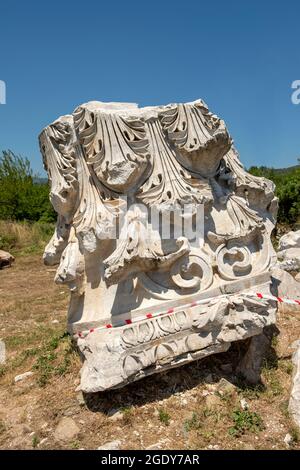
(141, 349)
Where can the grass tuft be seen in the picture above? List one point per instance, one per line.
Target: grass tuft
(164, 417)
(35, 441)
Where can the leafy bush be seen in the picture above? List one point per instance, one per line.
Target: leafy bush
(22, 197)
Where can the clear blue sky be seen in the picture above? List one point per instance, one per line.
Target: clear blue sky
(239, 56)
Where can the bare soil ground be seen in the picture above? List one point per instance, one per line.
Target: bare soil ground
(185, 408)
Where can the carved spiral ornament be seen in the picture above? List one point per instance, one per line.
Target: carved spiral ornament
(234, 261)
(195, 273)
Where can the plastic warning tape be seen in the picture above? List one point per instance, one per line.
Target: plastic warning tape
(273, 297)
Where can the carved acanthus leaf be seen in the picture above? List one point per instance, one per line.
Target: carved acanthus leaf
(247, 223)
(71, 268)
(258, 191)
(94, 218)
(244, 178)
(169, 185)
(116, 148)
(57, 144)
(201, 137)
(57, 243)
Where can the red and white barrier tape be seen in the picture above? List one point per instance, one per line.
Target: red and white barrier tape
(169, 311)
(277, 299)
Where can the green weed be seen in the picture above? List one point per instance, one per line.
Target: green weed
(245, 421)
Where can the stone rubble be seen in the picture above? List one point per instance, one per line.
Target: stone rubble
(244, 404)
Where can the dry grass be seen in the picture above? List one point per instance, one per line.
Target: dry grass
(173, 409)
(24, 237)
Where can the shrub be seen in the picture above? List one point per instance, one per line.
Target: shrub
(23, 196)
(287, 183)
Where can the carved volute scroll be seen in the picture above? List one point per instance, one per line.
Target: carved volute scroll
(110, 165)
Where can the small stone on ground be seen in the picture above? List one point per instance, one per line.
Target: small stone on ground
(66, 430)
(19, 378)
(112, 445)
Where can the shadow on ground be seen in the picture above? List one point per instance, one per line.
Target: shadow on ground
(161, 386)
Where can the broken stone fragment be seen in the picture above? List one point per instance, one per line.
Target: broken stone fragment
(6, 259)
(289, 259)
(112, 445)
(23, 376)
(289, 251)
(289, 240)
(2, 352)
(251, 363)
(225, 387)
(288, 440)
(285, 285)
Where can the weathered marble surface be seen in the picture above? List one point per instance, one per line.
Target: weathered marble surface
(6, 259)
(289, 251)
(162, 157)
(285, 285)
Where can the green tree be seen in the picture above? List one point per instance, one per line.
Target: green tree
(287, 181)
